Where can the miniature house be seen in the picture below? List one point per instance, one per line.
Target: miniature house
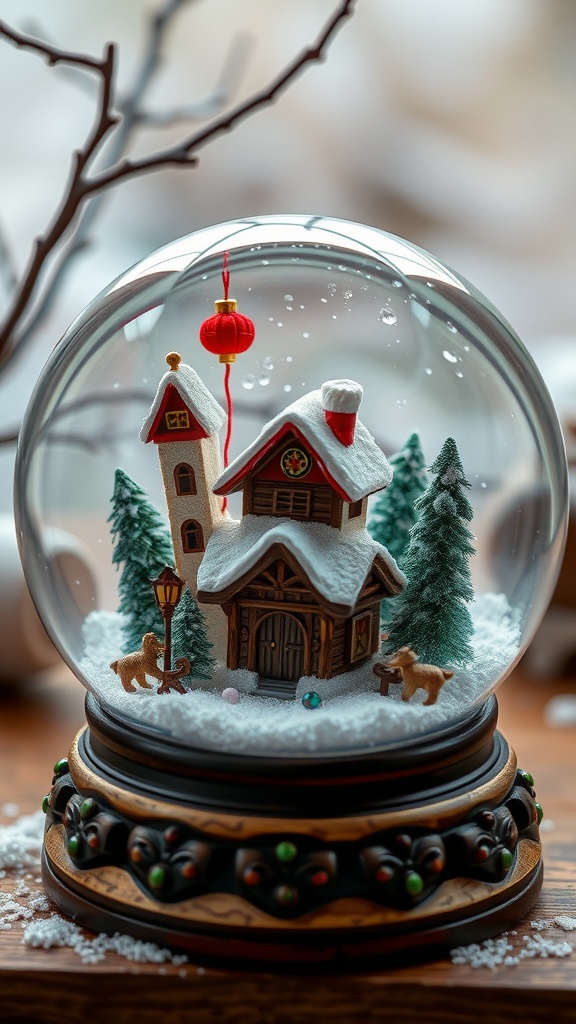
(299, 578)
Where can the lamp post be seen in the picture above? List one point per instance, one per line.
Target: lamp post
(167, 589)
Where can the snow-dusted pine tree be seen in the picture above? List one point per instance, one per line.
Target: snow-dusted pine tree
(393, 514)
(431, 615)
(190, 638)
(142, 544)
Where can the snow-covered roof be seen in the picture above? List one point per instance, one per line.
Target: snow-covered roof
(356, 470)
(336, 564)
(194, 393)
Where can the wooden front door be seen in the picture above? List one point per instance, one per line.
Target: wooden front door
(280, 644)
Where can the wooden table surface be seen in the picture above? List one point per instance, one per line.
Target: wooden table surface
(37, 722)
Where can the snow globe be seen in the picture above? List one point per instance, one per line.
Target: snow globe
(325, 517)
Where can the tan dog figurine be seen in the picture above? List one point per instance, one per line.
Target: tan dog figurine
(418, 676)
(140, 663)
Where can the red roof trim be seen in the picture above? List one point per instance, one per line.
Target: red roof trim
(286, 428)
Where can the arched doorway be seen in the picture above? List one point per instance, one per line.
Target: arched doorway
(280, 644)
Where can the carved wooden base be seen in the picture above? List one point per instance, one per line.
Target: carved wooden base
(314, 862)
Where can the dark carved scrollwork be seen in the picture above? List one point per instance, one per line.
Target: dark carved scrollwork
(284, 880)
(405, 870)
(290, 876)
(167, 862)
(486, 844)
(95, 835)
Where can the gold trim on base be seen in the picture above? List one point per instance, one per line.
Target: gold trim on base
(216, 824)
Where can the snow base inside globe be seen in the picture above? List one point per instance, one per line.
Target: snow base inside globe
(299, 619)
(311, 862)
(353, 715)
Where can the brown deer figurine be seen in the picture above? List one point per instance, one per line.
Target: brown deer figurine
(418, 676)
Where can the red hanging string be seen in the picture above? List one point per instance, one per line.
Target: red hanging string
(226, 276)
(230, 407)
(229, 424)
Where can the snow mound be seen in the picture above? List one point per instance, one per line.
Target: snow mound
(353, 717)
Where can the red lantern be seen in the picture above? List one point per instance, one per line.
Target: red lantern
(228, 332)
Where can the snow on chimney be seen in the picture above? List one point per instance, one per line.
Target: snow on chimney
(341, 401)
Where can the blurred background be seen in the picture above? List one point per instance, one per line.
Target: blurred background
(451, 124)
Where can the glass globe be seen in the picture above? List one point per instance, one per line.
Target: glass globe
(330, 300)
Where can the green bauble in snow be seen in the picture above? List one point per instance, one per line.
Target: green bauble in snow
(190, 638)
(393, 514)
(142, 544)
(431, 615)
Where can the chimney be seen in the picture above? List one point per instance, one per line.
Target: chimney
(341, 401)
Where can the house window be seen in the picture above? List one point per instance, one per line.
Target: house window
(355, 509)
(291, 502)
(184, 479)
(360, 646)
(178, 420)
(192, 536)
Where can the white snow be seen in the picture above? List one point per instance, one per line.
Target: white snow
(196, 396)
(358, 470)
(354, 716)
(501, 952)
(342, 395)
(563, 921)
(27, 906)
(20, 841)
(336, 564)
(56, 930)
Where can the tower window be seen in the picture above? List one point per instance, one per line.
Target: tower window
(192, 536)
(355, 509)
(184, 479)
(178, 420)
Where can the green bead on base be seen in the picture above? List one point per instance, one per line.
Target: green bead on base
(157, 877)
(413, 883)
(286, 852)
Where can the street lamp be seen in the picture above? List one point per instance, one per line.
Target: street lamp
(167, 589)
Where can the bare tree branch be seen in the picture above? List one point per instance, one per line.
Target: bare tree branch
(129, 109)
(74, 194)
(183, 152)
(129, 106)
(232, 69)
(7, 266)
(82, 185)
(55, 277)
(52, 54)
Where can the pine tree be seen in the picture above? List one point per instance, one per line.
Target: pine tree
(143, 545)
(190, 638)
(394, 515)
(431, 615)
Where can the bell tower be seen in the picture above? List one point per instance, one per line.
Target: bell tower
(183, 422)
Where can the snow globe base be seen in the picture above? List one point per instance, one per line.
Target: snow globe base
(275, 862)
